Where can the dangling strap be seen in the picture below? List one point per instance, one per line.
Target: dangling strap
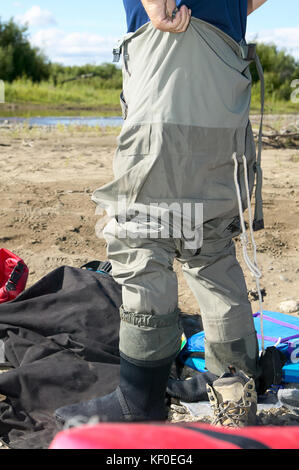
(248, 52)
(258, 223)
(252, 265)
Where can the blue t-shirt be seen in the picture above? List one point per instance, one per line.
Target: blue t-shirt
(228, 15)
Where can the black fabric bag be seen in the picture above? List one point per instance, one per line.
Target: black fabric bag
(62, 338)
(271, 363)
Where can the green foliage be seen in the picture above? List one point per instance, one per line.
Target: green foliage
(17, 57)
(106, 76)
(30, 77)
(78, 93)
(280, 70)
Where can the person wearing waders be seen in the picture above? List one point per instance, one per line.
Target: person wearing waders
(186, 138)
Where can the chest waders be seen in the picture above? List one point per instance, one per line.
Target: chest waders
(186, 142)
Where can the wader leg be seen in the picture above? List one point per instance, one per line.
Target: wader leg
(149, 329)
(217, 281)
(150, 334)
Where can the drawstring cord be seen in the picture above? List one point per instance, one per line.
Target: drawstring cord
(252, 265)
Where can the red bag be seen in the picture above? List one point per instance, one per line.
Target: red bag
(176, 436)
(13, 275)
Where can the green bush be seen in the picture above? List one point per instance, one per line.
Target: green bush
(17, 57)
(106, 76)
(22, 67)
(72, 93)
(280, 70)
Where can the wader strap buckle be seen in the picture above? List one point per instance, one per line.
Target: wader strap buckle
(116, 54)
(117, 50)
(248, 51)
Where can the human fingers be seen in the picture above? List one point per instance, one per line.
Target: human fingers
(177, 23)
(181, 20)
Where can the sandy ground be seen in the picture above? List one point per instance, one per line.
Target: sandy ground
(47, 217)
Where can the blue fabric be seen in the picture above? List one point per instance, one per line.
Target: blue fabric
(272, 331)
(228, 15)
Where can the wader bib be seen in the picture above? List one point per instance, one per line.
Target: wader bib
(186, 139)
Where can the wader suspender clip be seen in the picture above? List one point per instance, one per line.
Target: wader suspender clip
(121, 48)
(117, 50)
(249, 53)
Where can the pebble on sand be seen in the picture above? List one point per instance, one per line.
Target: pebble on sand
(289, 306)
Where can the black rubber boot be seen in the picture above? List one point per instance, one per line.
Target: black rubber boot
(139, 397)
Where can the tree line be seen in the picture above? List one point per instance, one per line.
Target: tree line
(19, 59)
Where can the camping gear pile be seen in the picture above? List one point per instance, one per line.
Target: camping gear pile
(61, 353)
(280, 331)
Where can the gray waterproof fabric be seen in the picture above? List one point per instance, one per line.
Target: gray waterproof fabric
(186, 101)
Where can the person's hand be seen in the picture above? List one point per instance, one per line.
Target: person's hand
(166, 17)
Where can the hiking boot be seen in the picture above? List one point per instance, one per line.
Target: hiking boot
(234, 400)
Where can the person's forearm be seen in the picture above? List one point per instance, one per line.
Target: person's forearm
(155, 8)
(166, 17)
(254, 5)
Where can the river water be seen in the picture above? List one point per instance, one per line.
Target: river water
(50, 121)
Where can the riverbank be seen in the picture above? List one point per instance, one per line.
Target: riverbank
(105, 107)
(37, 109)
(47, 216)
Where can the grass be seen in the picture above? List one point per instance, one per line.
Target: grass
(89, 94)
(75, 94)
(274, 107)
(272, 104)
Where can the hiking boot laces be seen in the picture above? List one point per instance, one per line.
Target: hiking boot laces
(230, 411)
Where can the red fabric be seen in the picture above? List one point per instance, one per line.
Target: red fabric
(171, 436)
(8, 262)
